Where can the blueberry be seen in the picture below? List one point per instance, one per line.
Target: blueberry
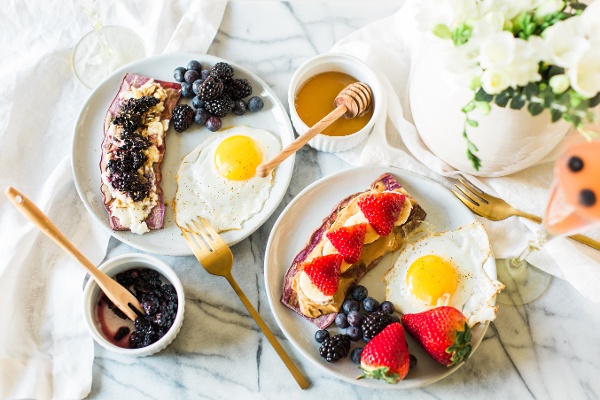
(197, 102)
(213, 123)
(575, 164)
(387, 307)
(255, 104)
(359, 292)
(355, 355)
(321, 335)
(196, 86)
(240, 107)
(191, 76)
(195, 65)
(186, 90)
(587, 197)
(354, 332)
(355, 318)
(201, 116)
(341, 320)
(179, 73)
(370, 304)
(350, 305)
(413, 361)
(205, 73)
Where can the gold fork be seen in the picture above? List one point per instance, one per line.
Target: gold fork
(216, 257)
(496, 209)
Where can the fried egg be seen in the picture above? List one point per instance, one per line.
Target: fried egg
(445, 268)
(217, 181)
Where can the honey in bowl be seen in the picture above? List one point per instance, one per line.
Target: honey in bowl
(315, 98)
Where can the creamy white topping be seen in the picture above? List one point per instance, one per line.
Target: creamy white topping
(313, 292)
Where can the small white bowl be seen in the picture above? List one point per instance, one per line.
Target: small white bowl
(336, 62)
(112, 267)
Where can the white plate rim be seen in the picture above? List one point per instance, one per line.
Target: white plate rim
(283, 173)
(357, 175)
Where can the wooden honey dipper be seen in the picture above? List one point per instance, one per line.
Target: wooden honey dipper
(353, 101)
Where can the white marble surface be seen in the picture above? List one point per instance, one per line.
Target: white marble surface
(549, 349)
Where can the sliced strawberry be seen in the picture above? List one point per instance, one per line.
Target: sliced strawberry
(443, 332)
(348, 241)
(324, 272)
(386, 355)
(382, 210)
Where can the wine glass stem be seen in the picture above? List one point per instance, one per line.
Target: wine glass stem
(518, 263)
(93, 13)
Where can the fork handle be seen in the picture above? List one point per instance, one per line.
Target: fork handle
(579, 238)
(302, 381)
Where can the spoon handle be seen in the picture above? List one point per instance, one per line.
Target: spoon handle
(264, 169)
(115, 292)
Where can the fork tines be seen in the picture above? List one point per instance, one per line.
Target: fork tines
(468, 189)
(201, 231)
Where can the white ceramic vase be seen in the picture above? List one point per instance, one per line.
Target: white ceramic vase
(508, 140)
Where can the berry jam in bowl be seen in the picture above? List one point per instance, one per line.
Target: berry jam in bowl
(160, 293)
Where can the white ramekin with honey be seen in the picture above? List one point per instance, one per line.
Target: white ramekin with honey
(313, 89)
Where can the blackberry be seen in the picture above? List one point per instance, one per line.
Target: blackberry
(335, 348)
(220, 106)
(210, 89)
(121, 333)
(182, 117)
(374, 323)
(222, 70)
(237, 89)
(131, 112)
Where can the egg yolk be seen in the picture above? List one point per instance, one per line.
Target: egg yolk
(237, 157)
(431, 278)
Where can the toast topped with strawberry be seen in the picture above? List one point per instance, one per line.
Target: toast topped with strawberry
(351, 240)
(132, 152)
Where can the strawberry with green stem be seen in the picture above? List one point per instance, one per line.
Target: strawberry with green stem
(386, 355)
(443, 332)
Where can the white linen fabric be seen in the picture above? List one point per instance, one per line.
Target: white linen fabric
(389, 46)
(45, 349)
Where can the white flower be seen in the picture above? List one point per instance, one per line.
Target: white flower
(559, 83)
(450, 13)
(511, 8)
(463, 63)
(491, 22)
(585, 74)
(566, 42)
(497, 50)
(590, 20)
(494, 81)
(547, 7)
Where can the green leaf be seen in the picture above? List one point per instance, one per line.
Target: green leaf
(535, 108)
(531, 90)
(577, 6)
(482, 95)
(502, 98)
(517, 102)
(594, 101)
(442, 31)
(469, 107)
(483, 107)
(556, 114)
(474, 124)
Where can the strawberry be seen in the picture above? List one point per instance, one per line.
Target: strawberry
(382, 210)
(348, 240)
(386, 355)
(443, 332)
(324, 272)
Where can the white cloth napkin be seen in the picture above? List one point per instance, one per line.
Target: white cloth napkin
(388, 46)
(45, 349)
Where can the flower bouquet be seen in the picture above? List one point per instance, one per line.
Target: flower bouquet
(538, 54)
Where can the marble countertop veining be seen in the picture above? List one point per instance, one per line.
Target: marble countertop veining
(549, 349)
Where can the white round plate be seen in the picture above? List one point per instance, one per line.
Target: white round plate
(305, 214)
(89, 132)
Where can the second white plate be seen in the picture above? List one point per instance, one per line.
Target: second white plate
(306, 212)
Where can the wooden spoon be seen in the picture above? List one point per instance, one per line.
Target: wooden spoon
(120, 296)
(354, 100)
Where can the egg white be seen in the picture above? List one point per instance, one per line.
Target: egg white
(468, 248)
(225, 204)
